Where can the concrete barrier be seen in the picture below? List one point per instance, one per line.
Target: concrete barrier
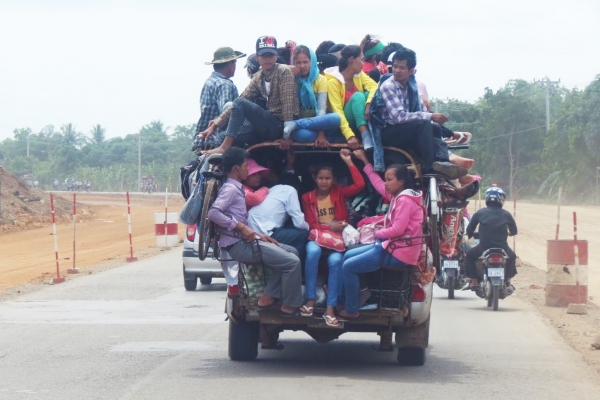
(169, 229)
(561, 277)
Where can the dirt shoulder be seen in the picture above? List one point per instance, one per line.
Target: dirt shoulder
(101, 238)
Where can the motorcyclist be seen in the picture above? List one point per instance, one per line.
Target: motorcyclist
(495, 225)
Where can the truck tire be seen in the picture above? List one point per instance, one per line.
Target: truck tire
(243, 340)
(414, 356)
(206, 280)
(190, 285)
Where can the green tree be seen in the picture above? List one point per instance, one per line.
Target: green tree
(98, 134)
(72, 137)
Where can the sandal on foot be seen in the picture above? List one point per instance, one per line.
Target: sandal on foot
(331, 321)
(293, 314)
(274, 304)
(306, 311)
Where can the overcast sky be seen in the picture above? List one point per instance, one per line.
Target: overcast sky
(125, 63)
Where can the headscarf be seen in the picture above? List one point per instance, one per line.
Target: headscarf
(374, 50)
(306, 93)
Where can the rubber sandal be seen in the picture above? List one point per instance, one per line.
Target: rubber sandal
(329, 320)
(306, 311)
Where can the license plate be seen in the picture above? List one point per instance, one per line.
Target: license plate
(450, 264)
(499, 272)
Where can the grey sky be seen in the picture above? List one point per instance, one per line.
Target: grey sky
(125, 63)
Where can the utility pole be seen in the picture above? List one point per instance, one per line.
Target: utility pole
(139, 180)
(547, 82)
(27, 145)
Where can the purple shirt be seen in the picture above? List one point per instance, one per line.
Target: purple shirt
(395, 97)
(228, 209)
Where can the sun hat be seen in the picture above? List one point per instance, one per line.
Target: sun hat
(225, 54)
(253, 167)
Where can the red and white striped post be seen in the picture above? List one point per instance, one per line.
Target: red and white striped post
(74, 270)
(131, 258)
(579, 307)
(558, 213)
(58, 278)
(515, 217)
(166, 203)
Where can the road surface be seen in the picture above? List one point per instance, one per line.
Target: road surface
(133, 332)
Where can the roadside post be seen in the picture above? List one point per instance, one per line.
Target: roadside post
(579, 307)
(131, 258)
(74, 270)
(515, 217)
(58, 278)
(558, 213)
(166, 236)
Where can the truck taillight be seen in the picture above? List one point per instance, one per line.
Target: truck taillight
(190, 232)
(418, 294)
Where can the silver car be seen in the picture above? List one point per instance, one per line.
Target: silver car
(193, 268)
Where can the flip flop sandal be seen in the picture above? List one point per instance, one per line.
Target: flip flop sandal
(306, 311)
(329, 320)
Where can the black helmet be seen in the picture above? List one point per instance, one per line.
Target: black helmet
(494, 195)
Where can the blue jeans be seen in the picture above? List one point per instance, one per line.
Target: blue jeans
(359, 261)
(307, 128)
(311, 270)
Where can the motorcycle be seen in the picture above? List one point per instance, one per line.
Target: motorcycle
(453, 250)
(493, 287)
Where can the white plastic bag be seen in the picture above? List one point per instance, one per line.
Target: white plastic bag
(350, 235)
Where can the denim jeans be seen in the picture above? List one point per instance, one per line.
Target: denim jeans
(265, 125)
(294, 237)
(311, 270)
(307, 128)
(359, 261)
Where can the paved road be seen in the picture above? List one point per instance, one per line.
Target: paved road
(134, 333)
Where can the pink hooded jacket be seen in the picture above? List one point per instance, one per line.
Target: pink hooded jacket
(403, 219)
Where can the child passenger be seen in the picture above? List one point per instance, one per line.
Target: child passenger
(314, 125)
(325, 209)
(350, 92)
(403, 219)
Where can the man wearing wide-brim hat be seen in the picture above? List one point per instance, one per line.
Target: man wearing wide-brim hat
(218, 89)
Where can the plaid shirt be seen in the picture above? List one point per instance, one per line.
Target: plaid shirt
(282, 100)
(395, 98)
(217, 91)
(228, 209)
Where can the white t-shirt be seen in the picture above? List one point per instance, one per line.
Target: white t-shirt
(272, 213)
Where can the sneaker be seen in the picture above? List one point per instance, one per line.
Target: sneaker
(288, 128)
(452, 171)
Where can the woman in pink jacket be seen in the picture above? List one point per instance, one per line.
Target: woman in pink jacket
(403, 219)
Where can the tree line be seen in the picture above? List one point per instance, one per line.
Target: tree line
(513, 144)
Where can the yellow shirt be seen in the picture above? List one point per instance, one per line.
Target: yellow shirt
(325, 210)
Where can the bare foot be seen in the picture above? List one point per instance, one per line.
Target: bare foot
(265, 300)
(465, 180)
(348, 315)
(287, 309)
(218, 150)
(462, 161)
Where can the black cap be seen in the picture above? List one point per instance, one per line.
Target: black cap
(266, 44)
(252, 64)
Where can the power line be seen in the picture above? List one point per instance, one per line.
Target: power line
(508, 134)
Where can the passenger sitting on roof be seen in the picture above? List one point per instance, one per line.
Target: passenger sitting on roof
(270, 216)
(350, 92)
(314, 125)
(407, 125)
(325, 210)
(403, 220)
(219, 89)
(371, 47)
(273, 82)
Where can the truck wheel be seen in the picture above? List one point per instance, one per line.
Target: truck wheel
(190, 285)
(206, 280)
(451, 287)
(414, 356)
(496, 292)
(243, 340)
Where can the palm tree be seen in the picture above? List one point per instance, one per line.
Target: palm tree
(97, 134)
(72, 137)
